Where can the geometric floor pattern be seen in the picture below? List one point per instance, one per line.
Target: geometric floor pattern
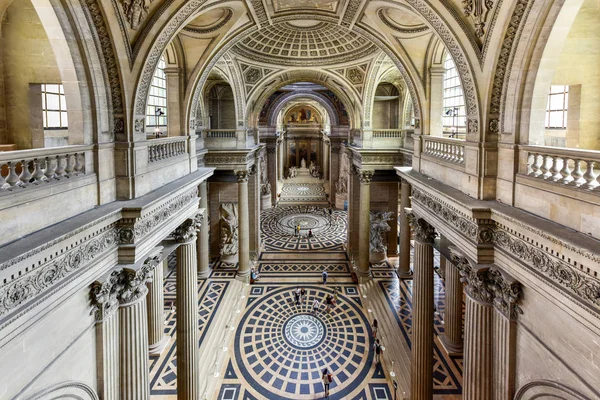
(277, 228)
(303, 192)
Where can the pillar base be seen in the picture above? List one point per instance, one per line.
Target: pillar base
(243, 278)
(451, 348)
(204, 274)
(157, 348)
(405, 275)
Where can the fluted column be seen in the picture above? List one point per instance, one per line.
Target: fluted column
(404, 256)
(157, 340)
(507, 293)
(422, 311)
(133, 323)
(280, 159)
(365, 177)
(243, 225)
(452, 338)
(202, 242)
(188, 378)
(105, 303)
(477, 367)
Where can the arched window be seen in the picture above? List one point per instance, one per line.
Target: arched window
(156, 107)
(454, 118)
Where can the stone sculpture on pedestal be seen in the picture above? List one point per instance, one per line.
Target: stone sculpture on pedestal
(229, 232)
(378, 241)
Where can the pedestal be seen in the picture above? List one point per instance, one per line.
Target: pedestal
(265, 202)
(341, 200)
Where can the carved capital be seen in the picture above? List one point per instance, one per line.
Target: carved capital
(104, 296)
(133, 288)
(507, 293)
(242, 175)
(365, 175)
(187, 231)
(422, 230)
(478, 282)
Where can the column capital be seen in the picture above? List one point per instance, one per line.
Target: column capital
(365, 175)
(187, 231)
(242, 175)
(507, 293)
(104, 295)
(423, 231)
(134, 281)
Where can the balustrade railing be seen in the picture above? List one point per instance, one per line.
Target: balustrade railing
(24, 168)
(388, 134)
(220, 133)
(450, 150)
(162, 149)
(571, 167)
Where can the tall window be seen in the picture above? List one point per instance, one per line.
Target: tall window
(54, 107)
(454, 118)
(556, 108)
(156, 108)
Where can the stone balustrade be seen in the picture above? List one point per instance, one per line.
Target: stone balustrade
(24, 168)
(570, 167)
(162, 149)
(449, 150)
(388, 134)
(220, 134)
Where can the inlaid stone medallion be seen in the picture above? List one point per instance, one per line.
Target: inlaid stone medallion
(304, 331)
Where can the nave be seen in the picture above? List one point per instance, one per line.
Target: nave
(257, 343)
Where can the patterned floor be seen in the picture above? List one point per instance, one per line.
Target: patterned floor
(303, 192)
(280, 347)
(277, 228)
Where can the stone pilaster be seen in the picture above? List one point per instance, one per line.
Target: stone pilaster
(422, 312)
(243, 225)
(453, 321)
(280, 159)
(105, 304)
(404, 256)
(477, 370)
(507, 293)
(188, 378)
(365, 177)
(157, 340)
(133, 323)
(202, 245)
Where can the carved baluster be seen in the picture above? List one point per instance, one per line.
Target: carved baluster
(536, 164)
(530, 162)
(60, 168)
(544, 167)
(589, 176)
(50, 167)
(2, 180)
(25, 176)
(565, 172)
(70, 165)
(555, 169)
(12, 178)
(38, 171)
(79, 165)
(577, 174)
(461, 151)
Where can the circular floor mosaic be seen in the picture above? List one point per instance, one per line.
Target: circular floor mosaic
(277, 228)
(281, 349)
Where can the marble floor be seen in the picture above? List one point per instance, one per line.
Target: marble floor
(278, 348)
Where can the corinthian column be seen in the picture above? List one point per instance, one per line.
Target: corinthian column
(243, 225)
(507, 292)
(133, 321)
(404, 256)
(188, 378)
(477, 373)
(364, 222)
(452, 338)
(105, 304)
(202, 242)
(422, 311)
(157, 340)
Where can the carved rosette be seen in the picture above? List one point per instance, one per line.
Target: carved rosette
(422, 230)
(242, 176)
(365, 176)
(187, 231)
(104, 296)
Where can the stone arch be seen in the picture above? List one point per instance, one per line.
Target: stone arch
(544, 389)
(281, 102)
(66, 390)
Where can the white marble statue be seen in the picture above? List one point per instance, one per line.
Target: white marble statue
(303, 163)
(293, 172)
(229, 229)
(379, 226)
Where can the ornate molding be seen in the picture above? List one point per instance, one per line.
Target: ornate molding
(104, 296)
(365, 176)
(187, 231)
(422, 230)
(242, 175)
(48, 275)
(213, 28)
(478, 10)
(507, 294)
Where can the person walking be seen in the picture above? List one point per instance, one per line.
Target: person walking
(303, 295)
(298, 230)
(375, 328)
(310, 234)
(297, 296)
(325, 275)
(316, 306)
(328, 301)
(335, 296)
(378, 349)
(327, 378)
